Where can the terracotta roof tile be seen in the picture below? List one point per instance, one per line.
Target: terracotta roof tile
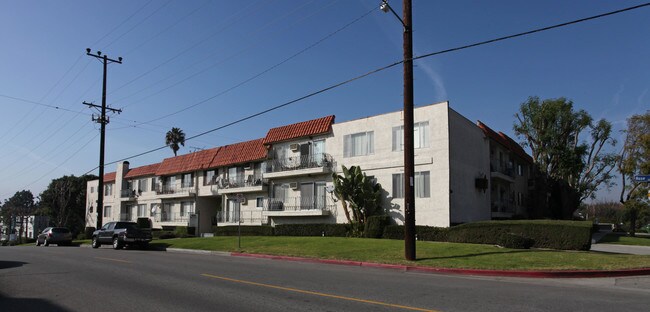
(301, 129)
(239, 153)
(187, 163)
(506, 141)
(142, 171)
(109, 177)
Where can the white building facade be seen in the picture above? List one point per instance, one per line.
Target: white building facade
(286, 177)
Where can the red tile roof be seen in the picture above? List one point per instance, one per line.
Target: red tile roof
(142, 171)
(187, 163)
(506, 141)
(301, 129)
(239, 153)
(109, 177)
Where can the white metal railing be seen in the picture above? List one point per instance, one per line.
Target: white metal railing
(320, 160)
(302, 203)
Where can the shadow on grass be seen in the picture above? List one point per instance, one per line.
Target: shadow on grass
(480, 254)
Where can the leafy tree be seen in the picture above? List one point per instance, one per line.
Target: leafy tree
(358, 193)
(64, 201)
(173, 138)
(635, 160)
(552, 130)
(19, 207)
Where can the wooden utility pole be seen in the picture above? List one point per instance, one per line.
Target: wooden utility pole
(102, 119)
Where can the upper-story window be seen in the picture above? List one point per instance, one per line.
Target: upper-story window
(108, 189)
(154, 183)
(359, 144)
(188, 180)
(420, 136)
(422, 185)
(142, 185)
(92, 189)
(169, 181)
(209, 177)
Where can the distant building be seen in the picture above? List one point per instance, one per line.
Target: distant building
(31, 226)
(464, 172)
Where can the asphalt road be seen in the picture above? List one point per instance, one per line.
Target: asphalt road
(85, 279)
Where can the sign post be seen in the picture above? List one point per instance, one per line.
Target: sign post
(240, 200)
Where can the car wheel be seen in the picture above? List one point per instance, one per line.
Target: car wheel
(116, 243)
(46, 243)
(95, 243)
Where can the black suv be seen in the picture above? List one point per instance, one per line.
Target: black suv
(120, 234)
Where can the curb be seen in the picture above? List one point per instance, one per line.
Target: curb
(422, 269)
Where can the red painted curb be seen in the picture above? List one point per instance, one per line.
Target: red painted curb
(505, 273)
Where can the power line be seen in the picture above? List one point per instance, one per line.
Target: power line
(138, 24)
(120, 24)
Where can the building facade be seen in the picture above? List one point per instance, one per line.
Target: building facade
(464, 172)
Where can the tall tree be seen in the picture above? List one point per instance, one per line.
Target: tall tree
(635, 160)
(64, 201)
(552, 130)
(357, 192)
(173, 138)
(19, 207)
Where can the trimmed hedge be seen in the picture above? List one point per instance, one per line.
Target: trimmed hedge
(326, 229)
(248, 230)
(514, 241)
(374, 227)
(424, 233)
(563, 235)
(89, 232)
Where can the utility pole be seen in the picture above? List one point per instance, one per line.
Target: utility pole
(409, 153)
(102, 119)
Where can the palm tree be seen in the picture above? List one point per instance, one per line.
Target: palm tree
(174, 137)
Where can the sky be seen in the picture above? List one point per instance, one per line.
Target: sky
(200, 65)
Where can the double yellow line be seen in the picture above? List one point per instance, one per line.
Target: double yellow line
(314, 293)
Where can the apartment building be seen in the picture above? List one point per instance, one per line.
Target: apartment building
(463, 172)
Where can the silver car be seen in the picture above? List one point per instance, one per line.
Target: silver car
(54, 235)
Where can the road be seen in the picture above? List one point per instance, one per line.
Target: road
(84, 279)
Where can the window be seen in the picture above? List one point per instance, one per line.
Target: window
(358, 144)
(154, 183)
(187, 208)
(142, 210)
(520, 170)
(92, 189)
(142, 185)
(90, 209)
(108, 189)
(107, 211)
(259, 202)
(420, 136)
(208, 177)
(422, 185)
(187, 180)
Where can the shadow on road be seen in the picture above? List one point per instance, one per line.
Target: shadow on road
(11, 264)
(28, 304)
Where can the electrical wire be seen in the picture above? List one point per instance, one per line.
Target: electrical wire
(379, 70)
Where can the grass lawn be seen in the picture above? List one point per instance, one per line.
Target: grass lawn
(626, 240)
(433, 254)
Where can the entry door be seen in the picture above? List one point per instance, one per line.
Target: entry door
(304, 155)
(232, 213)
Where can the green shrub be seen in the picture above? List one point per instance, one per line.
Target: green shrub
(81, 236)
(89, 232)
(248, 230)
(424, 233)
(553, 234)
(163, 234)
(374, 227)
(322, 229)
(514, 241)
(184, 231)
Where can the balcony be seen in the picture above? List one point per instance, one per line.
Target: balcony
(503, 172)
(298, 206)
(130, 194)
(503, 209)
(299, 165)
(167, 191)
(252, 183)
(172, 217)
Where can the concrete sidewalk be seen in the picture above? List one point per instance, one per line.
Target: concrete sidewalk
(624, 249)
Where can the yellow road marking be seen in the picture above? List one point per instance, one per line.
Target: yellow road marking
(319, 294)
(116, 260)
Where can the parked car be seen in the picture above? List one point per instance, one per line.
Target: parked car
(54, 235)
(120, 234)
(646, 228)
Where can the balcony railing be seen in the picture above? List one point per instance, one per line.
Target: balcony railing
(247, 217)
(304, 203)
(173, 189)
(250, 181)
(503, 206)
(320, 160)
(504, 169)
(164, 216)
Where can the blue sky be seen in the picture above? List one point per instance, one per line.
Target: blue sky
(197, 53)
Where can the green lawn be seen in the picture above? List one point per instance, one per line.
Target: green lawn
(626, 240)
(432, 254)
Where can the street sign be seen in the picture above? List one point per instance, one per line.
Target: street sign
(642, 178)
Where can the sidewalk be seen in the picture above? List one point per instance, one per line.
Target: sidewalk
(624, 249)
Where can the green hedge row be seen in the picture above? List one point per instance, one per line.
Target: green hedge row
(321, 229)
(553, 234)
(424, 233)
(247, 230)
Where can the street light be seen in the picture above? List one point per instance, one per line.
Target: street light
(409, 164)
